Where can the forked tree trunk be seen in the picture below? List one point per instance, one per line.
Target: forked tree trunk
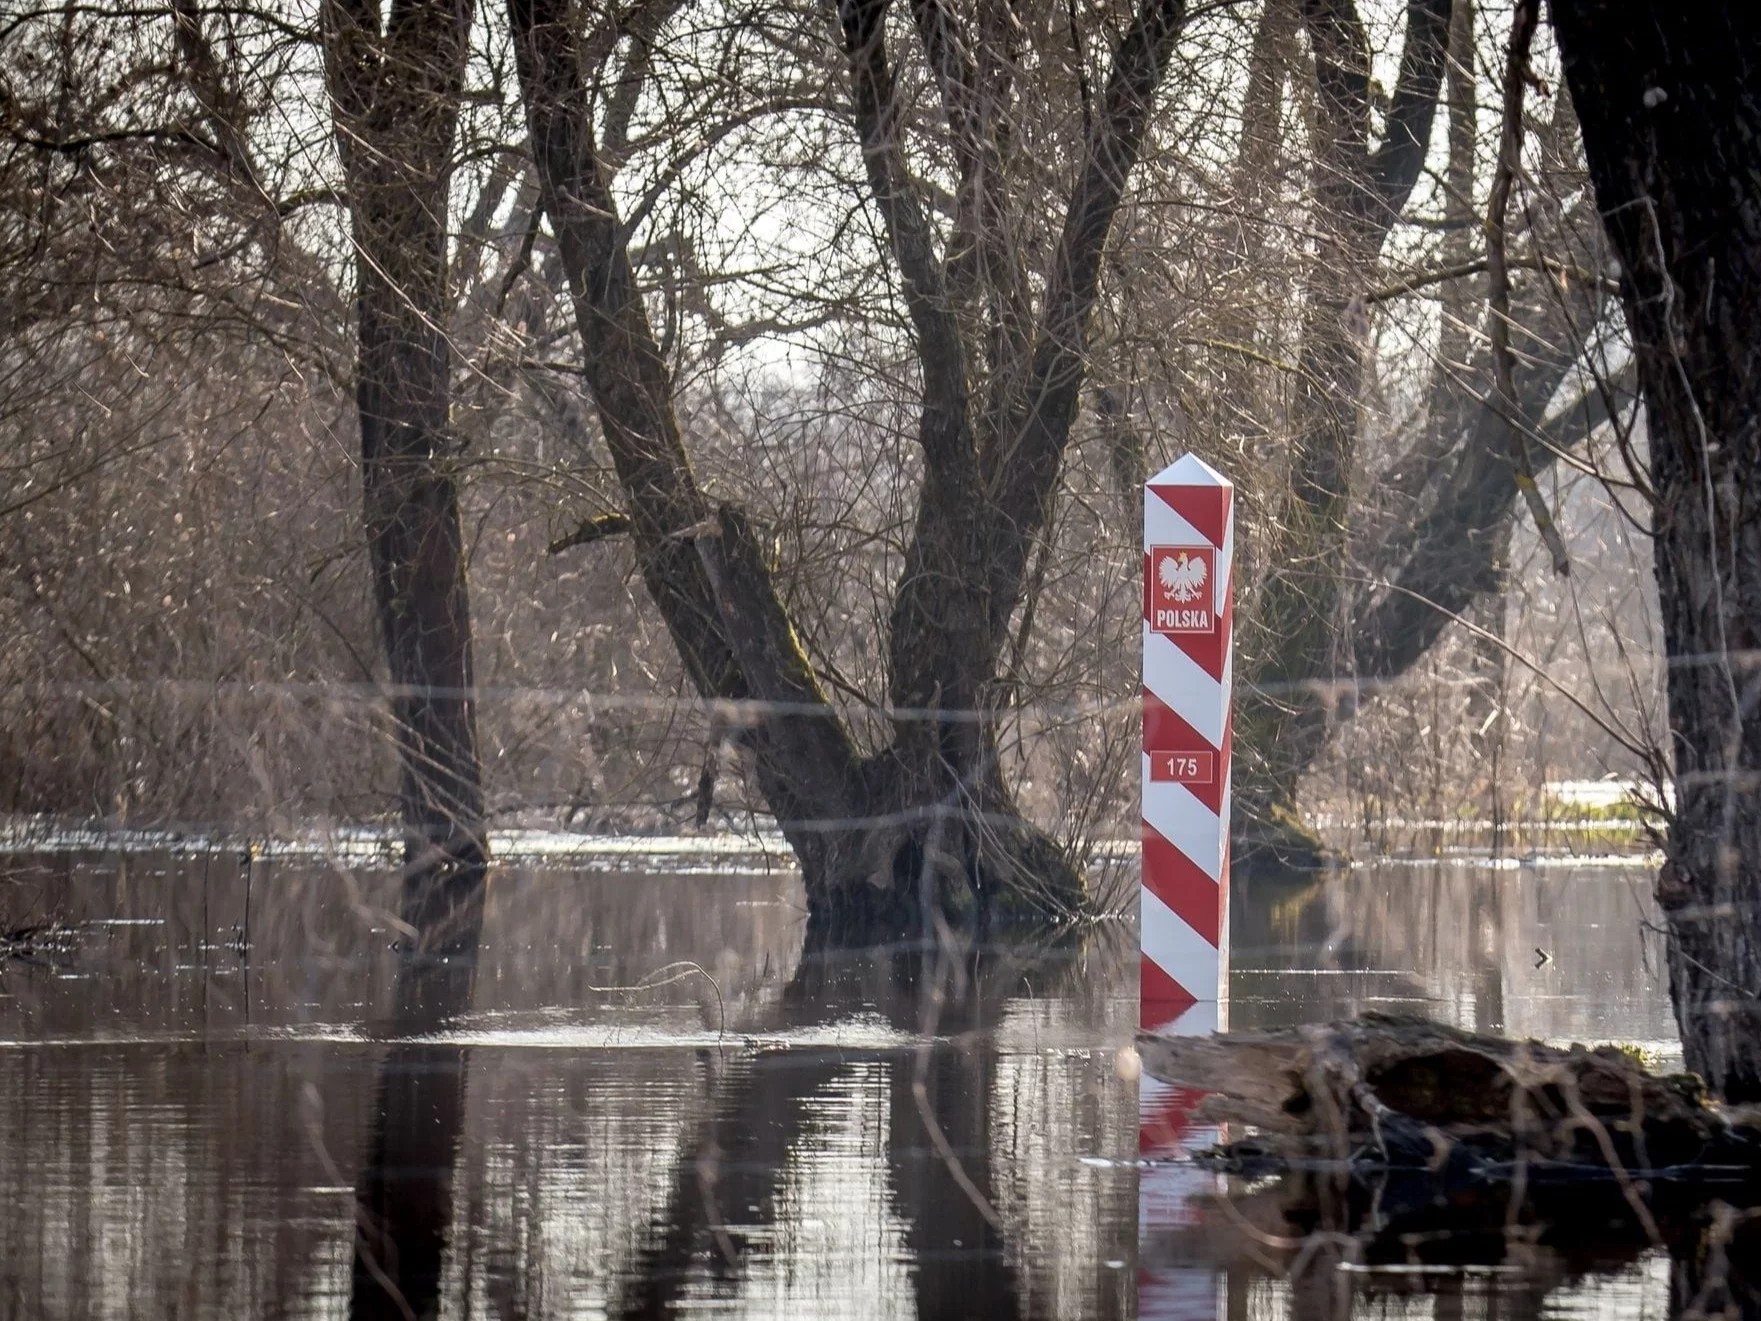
(929, 822)
(1300, 637)
(1449, 500)
(1669, 96)
(396, 96)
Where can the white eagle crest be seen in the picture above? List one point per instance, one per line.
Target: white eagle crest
(1183, 576)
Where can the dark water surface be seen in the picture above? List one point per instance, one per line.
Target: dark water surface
(198, 1083)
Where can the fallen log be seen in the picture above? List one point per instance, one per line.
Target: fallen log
(1394, 1093)
(1393, 1154)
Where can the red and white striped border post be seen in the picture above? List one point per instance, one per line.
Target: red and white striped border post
(1188, 557)
(1188, 670)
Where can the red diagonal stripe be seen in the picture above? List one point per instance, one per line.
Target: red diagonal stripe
(1161, 999)
(1205, 507)
(1164, 730)
(1182, 884)
(1159, 1132)
(1208, 650)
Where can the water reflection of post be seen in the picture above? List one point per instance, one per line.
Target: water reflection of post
(403, 1200)
(725, 1199)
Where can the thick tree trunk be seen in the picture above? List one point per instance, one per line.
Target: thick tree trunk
(1454, 494)
(1449, 555)
(1669, 96)
(1454, 388)
(880, 840)
(1243, 285)
(701, 566)
(1449, 501)
(928, 823)
(989, 477)
(1301, 653)
(396, 97)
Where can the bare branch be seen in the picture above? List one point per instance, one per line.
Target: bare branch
(590, 531)
(1528, 14)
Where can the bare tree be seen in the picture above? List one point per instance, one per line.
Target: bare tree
(396, 88)
(1360, 188)
(1375, 563)
(932, 811)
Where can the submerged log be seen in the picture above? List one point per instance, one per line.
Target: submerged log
(1391, 1154)
(1404, 1094)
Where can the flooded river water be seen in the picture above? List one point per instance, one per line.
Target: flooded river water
(659, 1105)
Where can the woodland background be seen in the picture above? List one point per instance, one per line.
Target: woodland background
(185, 599)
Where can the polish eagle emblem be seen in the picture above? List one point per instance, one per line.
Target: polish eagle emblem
(1183, 576)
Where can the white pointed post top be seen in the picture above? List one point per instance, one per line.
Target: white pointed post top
(1189, 470)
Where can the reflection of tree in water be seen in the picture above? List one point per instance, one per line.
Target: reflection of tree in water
(404, 1198)
(404, 1203)
(1718, 1273)
(934, 1013)
(728, 1193)
(1455, 940)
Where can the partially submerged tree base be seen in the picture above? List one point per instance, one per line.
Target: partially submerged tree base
(1386, 1093)
(916, 871)
(1274, 842)
(925, 830)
